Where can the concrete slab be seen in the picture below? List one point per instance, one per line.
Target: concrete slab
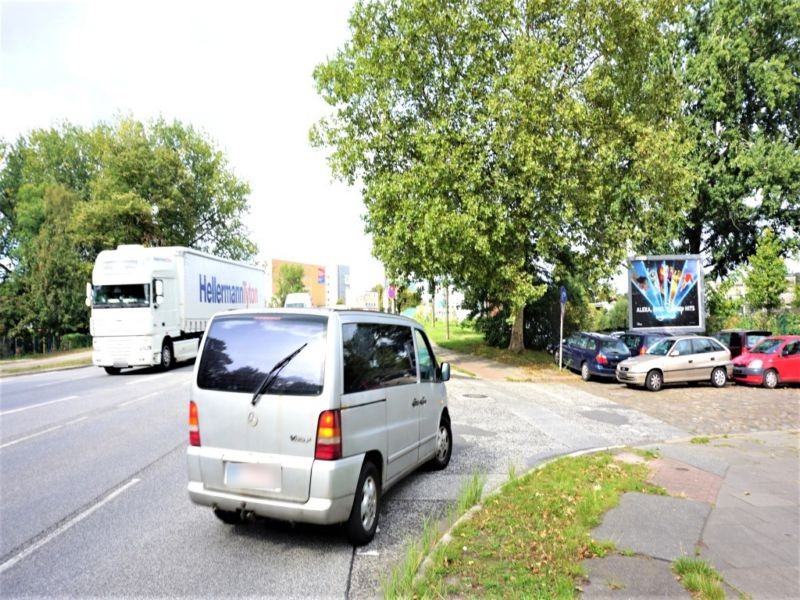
(658, 526)
(684, 480)
(631, 577)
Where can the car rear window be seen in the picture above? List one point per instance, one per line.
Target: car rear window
(614, 346)
(241, 350)
(377, 356)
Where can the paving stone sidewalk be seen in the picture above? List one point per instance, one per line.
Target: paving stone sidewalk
(734, 502)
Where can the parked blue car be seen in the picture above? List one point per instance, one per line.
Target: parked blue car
(594, 354)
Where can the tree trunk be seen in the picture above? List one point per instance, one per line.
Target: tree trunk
(433, 301)
(517, 343)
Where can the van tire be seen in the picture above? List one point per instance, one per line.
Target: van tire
(167, 356)
(113, 370)
(229, 517)
(363, 521)
(444, 446)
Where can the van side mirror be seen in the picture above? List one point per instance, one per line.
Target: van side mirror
(158, 288)
(443, 372)
(89, 294)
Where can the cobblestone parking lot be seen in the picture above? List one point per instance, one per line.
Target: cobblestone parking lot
(703, 409)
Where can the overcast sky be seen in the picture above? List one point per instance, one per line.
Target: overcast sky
(239, 71)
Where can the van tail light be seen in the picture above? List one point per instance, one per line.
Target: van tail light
(601, 359)
(329, 436)
(194, 425)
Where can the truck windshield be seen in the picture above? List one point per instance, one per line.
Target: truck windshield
(121, 296)
(240, 351)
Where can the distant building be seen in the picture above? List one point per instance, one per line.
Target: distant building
(327, 285)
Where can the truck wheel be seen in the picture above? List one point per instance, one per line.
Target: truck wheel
(167, 358)
(113, 370)
(363, 521)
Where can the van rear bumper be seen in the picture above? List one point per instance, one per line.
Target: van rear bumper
(333, 486)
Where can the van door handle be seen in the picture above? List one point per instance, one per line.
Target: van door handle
(691, 361)
(415, 403)
(423, 400)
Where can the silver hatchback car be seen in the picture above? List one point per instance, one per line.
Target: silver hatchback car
(310, 415)
(678, 360)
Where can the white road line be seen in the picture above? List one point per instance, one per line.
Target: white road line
(147, 379)
(74, 521)
(16, 410)
(29, 437)
(127, 402)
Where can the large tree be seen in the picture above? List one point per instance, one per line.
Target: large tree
(766, 278)
(493, 138)
(66, 193)
(741, 68)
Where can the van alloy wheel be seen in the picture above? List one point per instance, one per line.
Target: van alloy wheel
(444, 446)
(369, 503)
(363, 520)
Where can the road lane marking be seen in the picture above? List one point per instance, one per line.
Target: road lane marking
(74, 521)
(139, 380)
(16, 410)
(127, 402)
(30, 437)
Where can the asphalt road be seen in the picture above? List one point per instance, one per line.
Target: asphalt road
(93, 488)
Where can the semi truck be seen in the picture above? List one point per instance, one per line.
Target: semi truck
(150, 306)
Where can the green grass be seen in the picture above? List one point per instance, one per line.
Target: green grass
(35, 368)
(700, 440)
(530, 540)
(700, 578)
(463, 338)
(400, 580)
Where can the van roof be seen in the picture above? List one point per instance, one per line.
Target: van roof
(322, 311)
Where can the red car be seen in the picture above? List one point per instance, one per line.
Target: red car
(773, 360)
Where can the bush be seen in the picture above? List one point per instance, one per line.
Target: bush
(70, 341)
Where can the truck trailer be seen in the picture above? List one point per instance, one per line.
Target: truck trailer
(150, 306)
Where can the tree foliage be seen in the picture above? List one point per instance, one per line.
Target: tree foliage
(67, 193)
(741, 66)
(766, 277)
(290, 281)
(498, 140)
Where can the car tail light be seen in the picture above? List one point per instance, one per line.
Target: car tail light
(194, 425)
(601, 359)
(329, 436)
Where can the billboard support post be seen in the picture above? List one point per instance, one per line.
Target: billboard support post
(561, 329)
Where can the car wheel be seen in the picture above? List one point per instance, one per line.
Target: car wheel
(718, 377)
(363, 519)
(113, 370)
(167, 358)
(585, 374)
(444, 446)
(654, 380)
(230, 517)
(770, 379)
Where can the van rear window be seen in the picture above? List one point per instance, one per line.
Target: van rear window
(241, 350)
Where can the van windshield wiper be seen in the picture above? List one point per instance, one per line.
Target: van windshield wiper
(273, 374)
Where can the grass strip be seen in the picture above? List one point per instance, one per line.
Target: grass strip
(700, 578)
(77, 362)
(529, 540)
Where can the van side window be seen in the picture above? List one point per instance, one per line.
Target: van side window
(377, 356)
(427, 368)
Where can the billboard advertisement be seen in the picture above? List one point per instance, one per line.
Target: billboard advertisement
(666, 292)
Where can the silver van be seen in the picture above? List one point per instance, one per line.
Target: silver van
(309, 415)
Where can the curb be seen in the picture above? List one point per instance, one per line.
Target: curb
(49, 370)
(446, 537)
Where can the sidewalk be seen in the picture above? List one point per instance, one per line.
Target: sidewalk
(732, 502)
(482, 368)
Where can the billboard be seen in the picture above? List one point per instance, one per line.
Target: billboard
(666, 292)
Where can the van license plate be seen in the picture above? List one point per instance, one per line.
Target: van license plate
(253, 476)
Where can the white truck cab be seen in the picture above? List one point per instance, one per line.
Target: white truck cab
(150, 306)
